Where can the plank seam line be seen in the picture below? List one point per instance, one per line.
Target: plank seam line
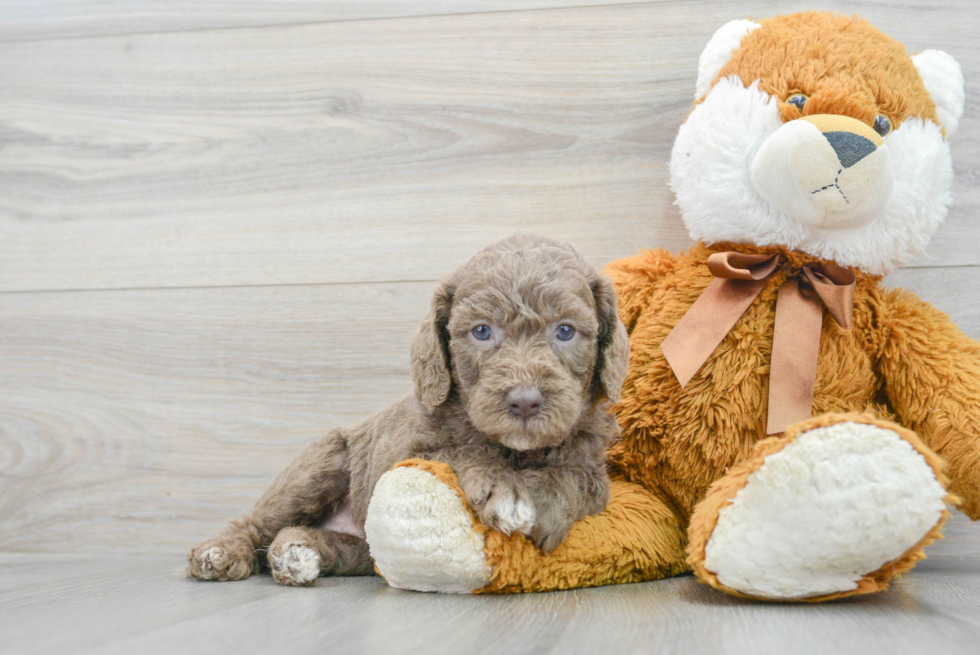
(12, 292)
(325, 22)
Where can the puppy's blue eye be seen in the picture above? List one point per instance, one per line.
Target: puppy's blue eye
(482, 332)
(565, 332)
(797, 100)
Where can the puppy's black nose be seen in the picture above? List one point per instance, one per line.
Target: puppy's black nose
(524, 401)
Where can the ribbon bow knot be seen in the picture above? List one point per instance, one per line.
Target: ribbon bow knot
(739, 279)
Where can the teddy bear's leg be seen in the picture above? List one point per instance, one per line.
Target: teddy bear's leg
(300, 554)
(838, 505)
(423, 536)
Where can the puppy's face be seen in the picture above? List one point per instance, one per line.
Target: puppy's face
(529, 334)
(523, 348)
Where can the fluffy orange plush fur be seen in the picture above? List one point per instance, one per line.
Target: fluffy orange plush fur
(845, 66)
(903, 360)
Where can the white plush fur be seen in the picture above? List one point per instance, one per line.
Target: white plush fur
(711, 176)
(837, 503)
(944, 81)
(421, 535)
(798, 171)
(718, 51)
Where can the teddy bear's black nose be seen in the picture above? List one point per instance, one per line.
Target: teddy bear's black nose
(850, 148)
(524, 401)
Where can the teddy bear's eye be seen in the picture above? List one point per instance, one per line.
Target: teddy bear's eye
(883, 124)
(797, 100)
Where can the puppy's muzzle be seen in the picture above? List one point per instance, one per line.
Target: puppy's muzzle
(833, 172)
(524, 402)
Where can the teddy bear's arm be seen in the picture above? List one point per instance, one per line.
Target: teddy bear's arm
(932, 376)
(635, 279)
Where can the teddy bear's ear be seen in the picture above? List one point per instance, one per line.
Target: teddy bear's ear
(718, 51)
(944, 82)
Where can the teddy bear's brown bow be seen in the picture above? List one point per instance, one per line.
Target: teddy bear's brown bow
(739, 278)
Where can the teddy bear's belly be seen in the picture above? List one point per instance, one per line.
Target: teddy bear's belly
(676, 441)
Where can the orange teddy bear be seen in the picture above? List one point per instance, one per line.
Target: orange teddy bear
(785, 418)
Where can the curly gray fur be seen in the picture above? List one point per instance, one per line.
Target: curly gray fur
(535, 472)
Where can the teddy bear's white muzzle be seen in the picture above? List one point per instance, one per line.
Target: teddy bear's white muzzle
(832, 172)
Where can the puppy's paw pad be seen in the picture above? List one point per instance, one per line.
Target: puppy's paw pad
(510, 513)
(296, 565)
(212, 561)
(206, 563)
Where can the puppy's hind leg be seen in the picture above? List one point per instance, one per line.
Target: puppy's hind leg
(315, 480)
(300, 554)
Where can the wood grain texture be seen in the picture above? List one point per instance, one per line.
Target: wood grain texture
(375, 150)
(140, 420)
(138, 605)
(22, 20)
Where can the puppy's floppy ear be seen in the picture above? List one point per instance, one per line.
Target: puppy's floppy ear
(612, 358)
(430, 351)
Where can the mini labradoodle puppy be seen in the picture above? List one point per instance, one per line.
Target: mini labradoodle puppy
(514, 369)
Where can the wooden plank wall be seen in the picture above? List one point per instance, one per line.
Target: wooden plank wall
(221, 222)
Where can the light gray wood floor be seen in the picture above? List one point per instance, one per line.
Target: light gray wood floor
(132, 604)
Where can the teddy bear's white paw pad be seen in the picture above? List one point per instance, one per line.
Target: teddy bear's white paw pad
(295, 565)
(837, 503)
(421, 535)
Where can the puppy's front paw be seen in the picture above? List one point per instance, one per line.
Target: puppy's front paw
(509, 512)
(549, 534)
(222, 558)
(502, 504)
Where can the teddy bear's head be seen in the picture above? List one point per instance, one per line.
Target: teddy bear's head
(820, 133)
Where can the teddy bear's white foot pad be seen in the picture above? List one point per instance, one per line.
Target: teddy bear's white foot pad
(421, 535)
(835, 504)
